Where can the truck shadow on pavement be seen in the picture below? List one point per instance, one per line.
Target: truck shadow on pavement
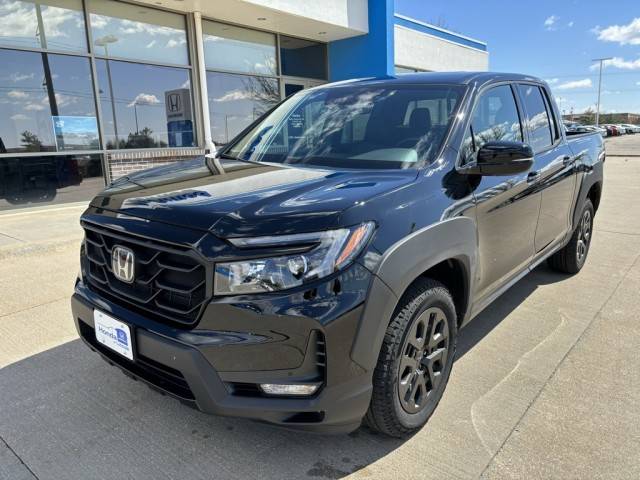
(67, 414)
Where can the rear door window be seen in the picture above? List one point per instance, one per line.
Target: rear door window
(538, 122)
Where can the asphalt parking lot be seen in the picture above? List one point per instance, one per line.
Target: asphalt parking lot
(545, 384)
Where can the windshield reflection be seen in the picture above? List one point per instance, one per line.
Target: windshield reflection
(399, 126)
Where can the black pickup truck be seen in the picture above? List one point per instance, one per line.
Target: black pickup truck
(316, 270)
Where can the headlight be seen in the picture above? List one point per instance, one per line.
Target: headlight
(326, 252)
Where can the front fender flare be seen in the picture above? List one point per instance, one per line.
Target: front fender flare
(401, 264)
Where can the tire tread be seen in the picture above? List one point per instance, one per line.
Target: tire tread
(381, 416)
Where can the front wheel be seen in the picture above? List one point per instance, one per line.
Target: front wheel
(415, 360)
(573, 256)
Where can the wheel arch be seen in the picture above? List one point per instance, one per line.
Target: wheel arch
(594, 194)
(445, 251)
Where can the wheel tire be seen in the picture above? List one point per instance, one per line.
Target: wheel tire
(572, 257)
(396, 393)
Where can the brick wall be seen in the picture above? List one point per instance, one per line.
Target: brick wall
(125, 162)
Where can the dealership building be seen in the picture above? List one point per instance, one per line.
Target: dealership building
(91, 90)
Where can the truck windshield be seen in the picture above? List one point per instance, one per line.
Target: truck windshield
(397, 126)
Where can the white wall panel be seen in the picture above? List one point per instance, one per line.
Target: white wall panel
(419, 50)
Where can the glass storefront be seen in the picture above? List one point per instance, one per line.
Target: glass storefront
(49, 179)
(244, 78)
(47, 103)
(145, 106)
(71, 91)
(238, 49)
(48, 24)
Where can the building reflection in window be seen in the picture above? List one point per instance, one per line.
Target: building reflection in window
(237, 100)
(47, 103)
(145, 106)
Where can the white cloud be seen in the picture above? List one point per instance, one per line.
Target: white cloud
(638, 83)
(19, 116)
(19, 77)
(619, 62)
(623, 34)
(55, 19)
(175, 43)
(99, 21)
(19, 20)
(586, 83)
(552, 81)
(233, 95)
(34, 106)
(17, 94)
(144, 99)
(570, 24)
(550, 22)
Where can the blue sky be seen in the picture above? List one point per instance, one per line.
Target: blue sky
(555, 40)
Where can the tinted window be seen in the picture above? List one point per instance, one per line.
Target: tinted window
(537, 117)
(303, 58)
(237, 100)
(132, 31)
(354, 127)
(62, 24)
(43, 180)
(145, 106)
(495, 118)
(238, 49)
(47, 103)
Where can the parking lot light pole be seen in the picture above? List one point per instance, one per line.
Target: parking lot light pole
(601, 60)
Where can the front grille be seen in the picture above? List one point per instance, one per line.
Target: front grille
(170, 283)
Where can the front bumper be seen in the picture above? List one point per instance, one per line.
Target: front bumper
(217, 370)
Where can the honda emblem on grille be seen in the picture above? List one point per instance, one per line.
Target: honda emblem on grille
(123, 264)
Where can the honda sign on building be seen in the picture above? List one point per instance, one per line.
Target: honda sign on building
(179, 116)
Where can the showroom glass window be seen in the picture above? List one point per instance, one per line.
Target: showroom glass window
(242, 78)
(48, 125)
(144, 76)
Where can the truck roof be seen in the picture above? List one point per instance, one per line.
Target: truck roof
(461, 78)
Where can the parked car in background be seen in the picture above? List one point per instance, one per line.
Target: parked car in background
(621, 129)
(315, 271)
(572, 127)
(576, 128)
(630, 128)
(611, 130)
(593, 128)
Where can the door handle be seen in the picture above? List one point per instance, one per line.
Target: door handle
(533, 176)
(567, 160)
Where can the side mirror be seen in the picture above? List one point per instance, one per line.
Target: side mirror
(501, 158)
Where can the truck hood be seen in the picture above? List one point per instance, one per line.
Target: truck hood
(231, 198)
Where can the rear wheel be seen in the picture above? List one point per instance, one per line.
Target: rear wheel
(415, 360)
(573, 256)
